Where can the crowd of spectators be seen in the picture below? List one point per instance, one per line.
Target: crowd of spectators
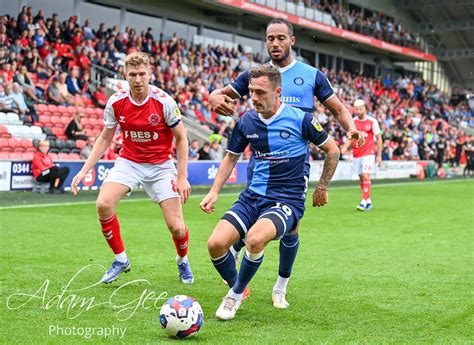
(376, 24)
(415, 116)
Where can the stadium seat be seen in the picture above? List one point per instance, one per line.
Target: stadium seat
(42, 109)
(62, 110)
(65, 120)
(15, 144)
(55, 119)
(16, 155)
(53, 109)
(80, 144)
(54, 156)
(74, 156)
(26, 143)
(58, 131)
(71, 110)
(5, 145)
(4, 119)
(63, 156)
(4, 155)
(27, 156)
(4, 132)
(13, 119)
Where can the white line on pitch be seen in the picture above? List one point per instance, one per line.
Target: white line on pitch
(395, 184)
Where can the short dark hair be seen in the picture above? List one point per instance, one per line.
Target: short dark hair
(282, 21)
(269, 71)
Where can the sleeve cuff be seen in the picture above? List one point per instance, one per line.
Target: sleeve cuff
(236, 92)
(331, 95)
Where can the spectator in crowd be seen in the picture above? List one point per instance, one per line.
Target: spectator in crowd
(21, 105)
(53, 94)
(44, 169)
(204, 152)
(74, 130)
(26, 84)
(7, 99)
(193, 154)
(86, 150)
(469, 150)
(72, 82)
(215, 151)
(99, 97)
(63, 89)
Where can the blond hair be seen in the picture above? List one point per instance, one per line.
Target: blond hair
(137, 59)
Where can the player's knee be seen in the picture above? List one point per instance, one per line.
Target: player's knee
(215, 247)
(104, 206)
(254, 243)
(177, 230)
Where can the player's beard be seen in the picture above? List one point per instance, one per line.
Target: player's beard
(284, 55)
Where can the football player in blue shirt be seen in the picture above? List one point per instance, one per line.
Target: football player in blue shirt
(301, 83)
(274, 201)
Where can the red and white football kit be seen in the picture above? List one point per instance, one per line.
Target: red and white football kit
(146, 157)
(364, 156)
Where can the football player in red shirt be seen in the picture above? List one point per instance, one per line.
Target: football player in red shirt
(149, 120)
(364, 156)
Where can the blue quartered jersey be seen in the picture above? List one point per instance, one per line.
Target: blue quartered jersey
(279, 168)
(300, 83)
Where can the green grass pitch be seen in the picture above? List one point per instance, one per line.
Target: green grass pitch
(402, 273)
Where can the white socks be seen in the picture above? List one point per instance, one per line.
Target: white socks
(181, 259)
(281, 284)
(122, 257)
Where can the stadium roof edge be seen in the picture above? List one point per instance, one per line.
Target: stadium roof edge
(335, 32)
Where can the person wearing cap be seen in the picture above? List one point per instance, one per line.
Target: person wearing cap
(366, 155)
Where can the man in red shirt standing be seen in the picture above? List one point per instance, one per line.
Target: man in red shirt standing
(364, 156)
(149, 120)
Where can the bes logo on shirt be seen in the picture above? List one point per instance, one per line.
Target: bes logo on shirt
(154, 120)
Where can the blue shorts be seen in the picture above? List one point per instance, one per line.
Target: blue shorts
(251, 206)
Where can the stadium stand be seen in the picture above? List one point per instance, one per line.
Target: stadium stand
(413, 112)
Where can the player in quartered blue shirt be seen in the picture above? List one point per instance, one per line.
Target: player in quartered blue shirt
(274, 200)
(301, 83)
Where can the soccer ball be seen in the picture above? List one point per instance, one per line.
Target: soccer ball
(181, 316)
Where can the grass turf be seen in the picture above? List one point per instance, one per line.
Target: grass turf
(402, 273)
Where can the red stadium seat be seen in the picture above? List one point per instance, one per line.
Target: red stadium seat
(26, 143)
(62, 109)
(74, 156)
(90, 111)
(71, 110)
(4, 132)
(5, 145)
(99, 111)
(55, 119)
(65, 120)
(57, 131)
(14, 143)
(16, 155)
(80, 143)
(27, 156)
(5, 155)
(53, 109)
(63, 156)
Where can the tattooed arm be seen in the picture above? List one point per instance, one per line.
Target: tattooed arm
(320, 195)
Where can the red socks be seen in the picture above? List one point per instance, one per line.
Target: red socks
(111, 232)
(182, 244)
(365, 189)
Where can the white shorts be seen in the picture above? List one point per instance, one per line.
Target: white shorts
(158, 180)
(363, 165)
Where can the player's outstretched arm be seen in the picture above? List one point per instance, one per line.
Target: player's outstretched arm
(222, 101)
(184, 188)
(101, 144)
(320, 195)
(342, 115)
(225, 169)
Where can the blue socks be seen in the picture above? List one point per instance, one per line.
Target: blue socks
(248, 268)
(288, 249)
(225, 265)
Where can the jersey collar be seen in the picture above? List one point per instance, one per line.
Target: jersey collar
(271, 119)
(286, 68)
(143, 102)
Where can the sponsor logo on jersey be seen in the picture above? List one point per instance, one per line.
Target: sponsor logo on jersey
(284, 134)
(298, 81)
(252, 136)
(270, 155)
(368, 127)
(316, 125)
(290, 99)
(141, 136)
(154, 119)
(122, 119)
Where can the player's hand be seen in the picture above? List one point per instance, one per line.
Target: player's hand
(320, 196)
(357, 135)
(222, 104)
(378, 160)
(207, 203)
(76, 180)
(184, 189)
